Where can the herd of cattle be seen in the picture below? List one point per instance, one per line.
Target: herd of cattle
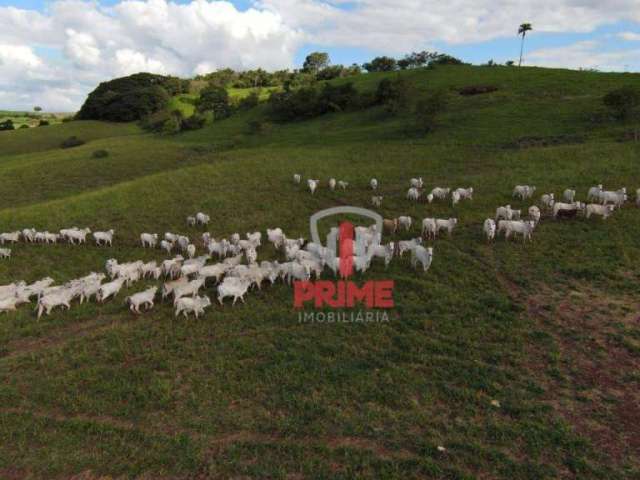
(185, 275)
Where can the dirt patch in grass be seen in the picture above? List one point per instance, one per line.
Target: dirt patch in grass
(533, 142)
(587, 358)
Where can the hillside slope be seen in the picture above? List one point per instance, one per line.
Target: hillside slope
(549, 329)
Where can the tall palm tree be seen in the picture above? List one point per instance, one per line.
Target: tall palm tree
(524, 28)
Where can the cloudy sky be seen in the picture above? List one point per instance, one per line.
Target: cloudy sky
(53, 52)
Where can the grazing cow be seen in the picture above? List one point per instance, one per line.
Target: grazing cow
(422, 255)
(534, 213)
(332, 184)
(312, 184)
(408, 245)
(448, 224)
(603, 210)
(390, 225)
(489, 229)
(149, 240)
(373, 183)
(547, 200)
(376, 200)
(413, 194)
(297, 178)
(141, 299)
(192, 305)
(405, 221)
(569, 195)
(429, 228)
(416, 182)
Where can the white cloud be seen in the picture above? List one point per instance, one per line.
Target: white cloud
(630, 36)
(64, 51)
(586, 55)
(97, 43)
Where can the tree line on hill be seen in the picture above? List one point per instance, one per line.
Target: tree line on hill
(298, 94)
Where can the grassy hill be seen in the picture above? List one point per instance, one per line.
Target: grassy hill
(549, 330)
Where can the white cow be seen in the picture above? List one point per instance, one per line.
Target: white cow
(332, 184)
(202, 218)
(489, 229)
(603, 210)
(534, 213)
(141, 299)
(235, 287)
(342, 184)
(376, 200)
(547, 200)
(594, 192)
(408, 245)
(422, 255)
(524, 191)
(373, 183)
(192, 305)
(429, 228)
(569, 195)
(12, 237)
(104, 238)
(149, 240)
(413, 194)
(525, 228)
(110, 289)
(313, 184)
(5, 252)
(440, 193)
(416, 182)
(446, 224)
(405, 221)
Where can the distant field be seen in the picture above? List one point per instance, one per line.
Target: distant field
(31, 119)
(521, 361)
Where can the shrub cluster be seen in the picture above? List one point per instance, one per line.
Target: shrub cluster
(477, 89)
(308, 102)
(131, 98)
(7, 125)
(100, 154)
(72, 142)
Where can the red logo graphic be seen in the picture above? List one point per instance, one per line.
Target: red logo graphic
(373, 294)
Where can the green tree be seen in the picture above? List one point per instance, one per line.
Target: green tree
(7, 125)
(381, 64)
(315, 62)
(214, 99)
(37, 109)
(522, 30)
(625, 104)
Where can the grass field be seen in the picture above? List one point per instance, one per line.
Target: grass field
(30, 119)
(520, 360)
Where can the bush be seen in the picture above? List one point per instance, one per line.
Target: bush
(194, 122)
(131, 98)
(100, 154)
(393, 94)
(7, 125)
(155, 121)
(172, 125)
(624, 102)
(68, 119)
(23, 126)
(258, 126)
(216, 100)
(381, 64)
(249, 102)
(477, 89)
(427, 110)
(43, 123)
(72, 142)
